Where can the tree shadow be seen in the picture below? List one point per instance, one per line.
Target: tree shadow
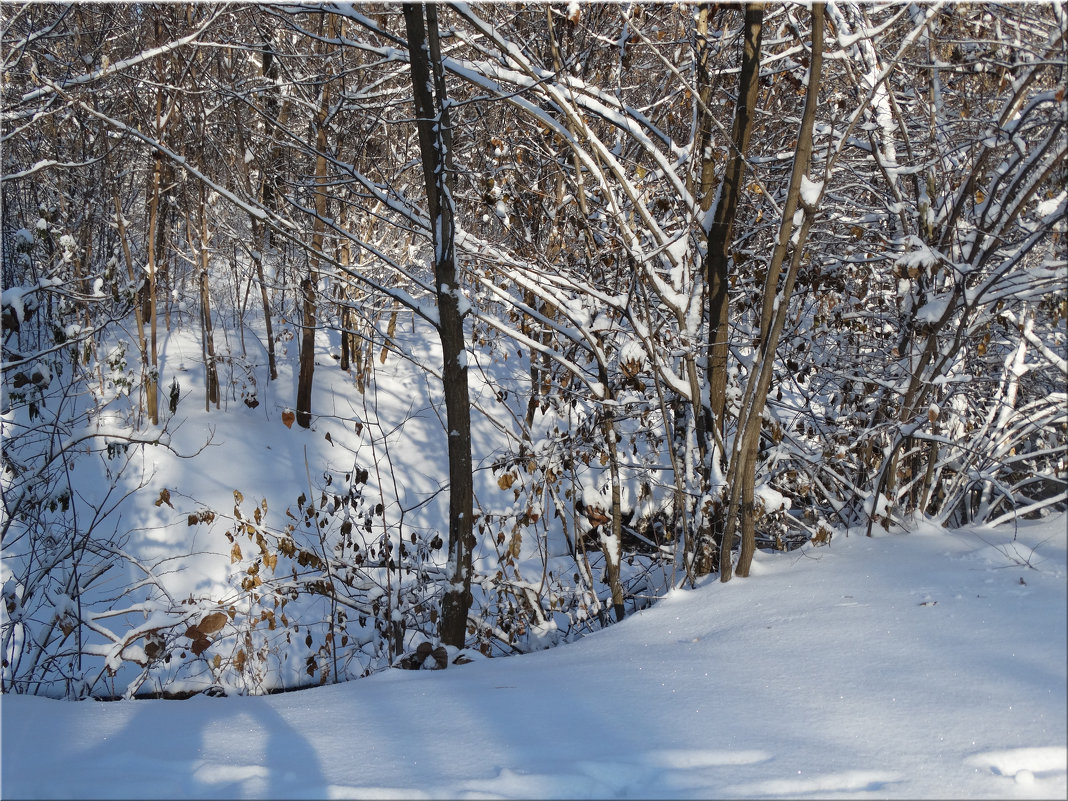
(239, 747)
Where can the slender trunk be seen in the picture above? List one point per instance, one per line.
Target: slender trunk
(612, 547)
(721, 230)
(307, 353)
(268, 196)
(260, 233)
(742, 472)
(152, 383)
(260, 239)
(142, 343)
(211, 372)
(435, 146)
(343, 311)
(717, 258)
(308, 286)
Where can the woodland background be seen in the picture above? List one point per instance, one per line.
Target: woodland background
(670, 282)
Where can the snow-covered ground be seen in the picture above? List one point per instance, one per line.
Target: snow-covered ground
(929, 664)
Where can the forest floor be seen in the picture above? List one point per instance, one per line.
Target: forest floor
(919, 665)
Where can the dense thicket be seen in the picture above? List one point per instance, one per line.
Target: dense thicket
(763, 274)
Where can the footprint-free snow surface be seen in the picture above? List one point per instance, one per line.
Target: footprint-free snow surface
(928, 664)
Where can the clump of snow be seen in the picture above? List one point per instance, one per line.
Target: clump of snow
(771, 499)
(810, 191)
(23, 239)
(933, 310)
(12, 298)
(921, 257)
(632, 352)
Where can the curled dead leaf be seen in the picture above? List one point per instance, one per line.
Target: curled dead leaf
(212, 623)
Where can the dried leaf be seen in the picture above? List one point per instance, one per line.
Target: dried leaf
(288, 418)
(212, 623)
(235, 553)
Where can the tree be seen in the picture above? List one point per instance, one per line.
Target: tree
(720, 238)
(435, 147)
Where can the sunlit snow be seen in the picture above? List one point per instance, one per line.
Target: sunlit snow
(926, 664)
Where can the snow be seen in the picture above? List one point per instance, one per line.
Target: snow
(810, 192)
(24, 239)
(934, 310)
(12, 297)
(771, 499)
(1054, 205)
(907, 665)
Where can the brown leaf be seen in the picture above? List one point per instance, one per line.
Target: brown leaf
(288, 418)
(212, 623)
(441, 656)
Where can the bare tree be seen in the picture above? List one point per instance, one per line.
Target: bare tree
(435, 147)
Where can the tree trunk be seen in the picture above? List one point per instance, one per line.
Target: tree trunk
(308, 285)
(435, 147)
(307, 353)
(211, 370)
(344, 313)
(260, 243)
(721, 230)
(152, 382)
(742, 472)
(142, 343)
(612, 546)
(717, 258)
